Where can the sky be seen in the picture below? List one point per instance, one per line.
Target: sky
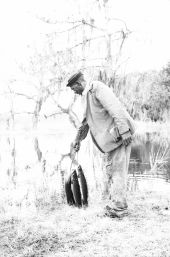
(147, 47)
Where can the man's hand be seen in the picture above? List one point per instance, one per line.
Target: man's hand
(75, 147)
(126, 138)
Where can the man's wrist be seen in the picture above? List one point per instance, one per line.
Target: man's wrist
(76, 141)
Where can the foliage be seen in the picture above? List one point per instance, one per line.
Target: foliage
(146, 95)
(166, 76)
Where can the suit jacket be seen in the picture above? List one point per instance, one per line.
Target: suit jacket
(104, 113)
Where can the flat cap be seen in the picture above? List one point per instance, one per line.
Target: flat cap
(74, 78)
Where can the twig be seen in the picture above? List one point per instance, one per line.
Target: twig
(49, 21)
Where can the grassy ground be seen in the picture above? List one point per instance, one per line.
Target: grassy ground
(68, 231)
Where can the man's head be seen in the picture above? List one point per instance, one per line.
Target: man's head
(77, 83)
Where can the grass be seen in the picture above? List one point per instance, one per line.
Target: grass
(69, 231)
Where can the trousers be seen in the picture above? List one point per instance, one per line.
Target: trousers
(116, 165)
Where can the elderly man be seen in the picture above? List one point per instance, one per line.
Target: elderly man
(111, 129)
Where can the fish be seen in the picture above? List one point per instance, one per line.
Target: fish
(76, 189)
(83, 186)
(68, 191)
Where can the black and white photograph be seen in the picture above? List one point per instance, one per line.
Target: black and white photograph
(84, 128)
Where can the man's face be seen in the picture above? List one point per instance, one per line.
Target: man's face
(77, 88)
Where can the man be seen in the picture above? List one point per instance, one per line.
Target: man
(111, 129)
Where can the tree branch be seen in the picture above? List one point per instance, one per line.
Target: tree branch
(50, 21)
(63, 31)
(26, 96)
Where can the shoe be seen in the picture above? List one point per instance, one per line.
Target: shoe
(112, 213)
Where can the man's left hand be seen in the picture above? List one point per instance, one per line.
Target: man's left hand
(126, 138)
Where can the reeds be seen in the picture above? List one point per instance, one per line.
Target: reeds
(159, 158)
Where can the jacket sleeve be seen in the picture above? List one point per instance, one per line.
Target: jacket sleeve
(82, 131)
(113, 106)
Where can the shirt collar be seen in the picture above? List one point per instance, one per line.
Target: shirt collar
(87, 88)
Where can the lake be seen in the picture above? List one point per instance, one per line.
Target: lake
(150, 153)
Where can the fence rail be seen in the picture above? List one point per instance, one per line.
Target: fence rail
(149, 177)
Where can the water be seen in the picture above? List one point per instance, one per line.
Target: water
(150, 155)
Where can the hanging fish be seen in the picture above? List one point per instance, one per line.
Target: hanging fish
(75, 189)
(83, 186)
(69, 194)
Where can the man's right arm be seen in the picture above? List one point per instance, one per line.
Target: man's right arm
(82, 131)
(81, 135)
